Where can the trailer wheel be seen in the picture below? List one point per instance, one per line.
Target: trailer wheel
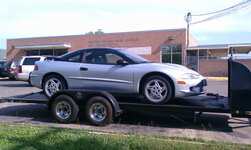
(157, 90)
(64, 109)
(98, 111)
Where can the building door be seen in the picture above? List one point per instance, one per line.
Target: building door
(193, 60)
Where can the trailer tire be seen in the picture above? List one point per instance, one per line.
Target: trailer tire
(98, 111)
(64, 109)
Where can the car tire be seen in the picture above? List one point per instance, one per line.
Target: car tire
(29, 81)
(53, 84)
(98, 111)
(12, 78)
(64, 109)
(157, 90)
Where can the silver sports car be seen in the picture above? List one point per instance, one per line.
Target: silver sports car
(116, 71)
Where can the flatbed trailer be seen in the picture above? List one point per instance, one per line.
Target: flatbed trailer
(100, 106)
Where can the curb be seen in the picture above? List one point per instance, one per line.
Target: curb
(217, 78)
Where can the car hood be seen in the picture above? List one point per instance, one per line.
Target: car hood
(167, 66)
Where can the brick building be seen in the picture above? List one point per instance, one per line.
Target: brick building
(211, 60)
(157, 45)
(165, 46)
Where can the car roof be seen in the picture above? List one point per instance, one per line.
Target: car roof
(101, 48)
(32, 56)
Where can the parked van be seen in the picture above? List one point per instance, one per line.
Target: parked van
(25, 66)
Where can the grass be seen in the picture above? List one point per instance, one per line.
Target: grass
(18, 137)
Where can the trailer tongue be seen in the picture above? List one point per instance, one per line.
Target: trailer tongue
(101, 106)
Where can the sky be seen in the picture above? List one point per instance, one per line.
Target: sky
(38, 18)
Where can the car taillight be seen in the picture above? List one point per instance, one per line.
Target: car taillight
(19, 69)
(11, 69)
(36, 67)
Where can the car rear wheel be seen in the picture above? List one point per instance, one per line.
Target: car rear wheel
(157, 90)
(12, 78)
(53, 84)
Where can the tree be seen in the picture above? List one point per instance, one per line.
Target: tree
(99, 31)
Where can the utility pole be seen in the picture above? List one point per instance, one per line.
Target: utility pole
(188, 18)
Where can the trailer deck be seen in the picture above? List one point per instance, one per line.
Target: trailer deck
(194, 103)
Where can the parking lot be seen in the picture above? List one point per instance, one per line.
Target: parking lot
(210, 126)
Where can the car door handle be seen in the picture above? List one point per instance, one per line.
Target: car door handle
(83, 69)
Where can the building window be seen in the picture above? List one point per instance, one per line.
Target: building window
(32, 52)
(172, 53)
(53, 52)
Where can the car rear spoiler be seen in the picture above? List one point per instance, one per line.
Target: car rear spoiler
(52, 58)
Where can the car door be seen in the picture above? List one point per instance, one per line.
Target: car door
(100, 70)
(69, 68)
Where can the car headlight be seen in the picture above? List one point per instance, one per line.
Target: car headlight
(190, 76)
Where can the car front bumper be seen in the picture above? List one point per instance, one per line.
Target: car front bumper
(191, 88)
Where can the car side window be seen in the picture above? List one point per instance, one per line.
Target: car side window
(101, 57)
(112, 58)
(30, 61)
(94, 57)
(74, 57)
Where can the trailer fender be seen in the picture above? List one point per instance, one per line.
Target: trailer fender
(81, 97)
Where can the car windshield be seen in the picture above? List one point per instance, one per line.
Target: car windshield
(134, 57)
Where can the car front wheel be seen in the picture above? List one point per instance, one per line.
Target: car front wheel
(53, 84)
(157, 90)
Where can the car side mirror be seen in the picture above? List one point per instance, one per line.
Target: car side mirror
(122, 62)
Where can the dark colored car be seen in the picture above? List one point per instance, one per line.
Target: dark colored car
(9, 69)
(1, 68)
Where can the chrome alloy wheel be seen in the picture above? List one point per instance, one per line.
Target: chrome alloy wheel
(156, 90)
(52, 86)
(98, 112)
(63, 110)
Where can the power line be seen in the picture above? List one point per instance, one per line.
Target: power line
(224, 12)
(244, 2)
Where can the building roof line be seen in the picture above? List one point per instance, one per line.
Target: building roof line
(219, 46)
(44, 45)
(99, 34)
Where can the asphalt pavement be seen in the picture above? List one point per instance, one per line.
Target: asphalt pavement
(209, 126)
